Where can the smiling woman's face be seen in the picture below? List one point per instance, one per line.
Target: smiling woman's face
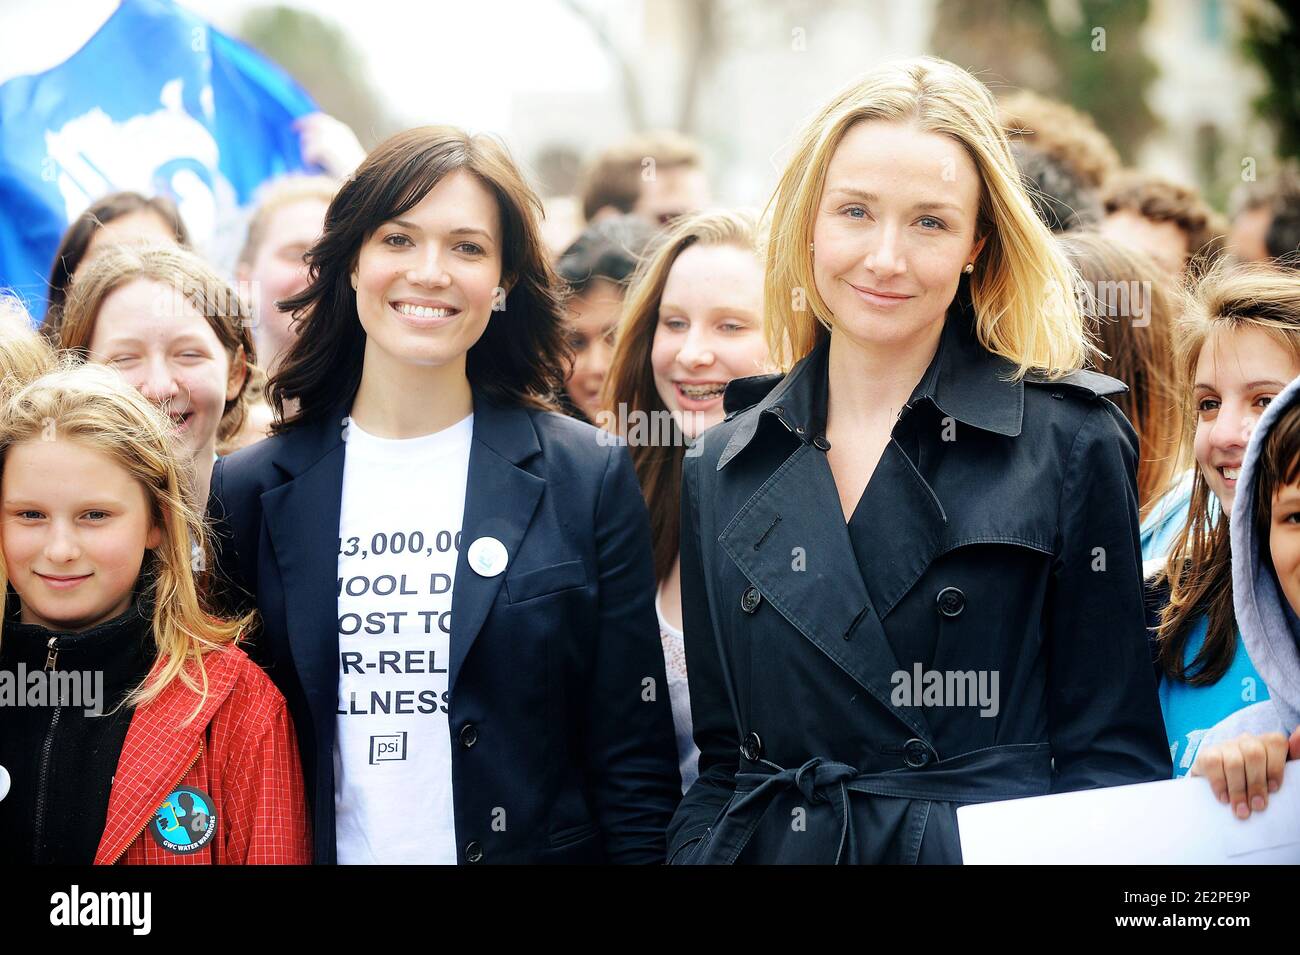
(426, 280)
(1239, 372)
(155, 337)
(710, 331)
(893, 230)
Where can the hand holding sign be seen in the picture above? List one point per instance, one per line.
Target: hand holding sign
(1245, 770)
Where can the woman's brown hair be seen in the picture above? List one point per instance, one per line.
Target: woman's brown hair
(1199, 567)
(76, 240)
(521, 359)
(1129, 307)
(630, 386)
(193, 280)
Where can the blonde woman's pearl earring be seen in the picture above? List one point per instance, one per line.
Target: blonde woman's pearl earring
(970, 267)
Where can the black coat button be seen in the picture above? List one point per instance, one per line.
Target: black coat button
(821, 443)
(473, 852)
(752, 747)
(916, 753)
(951, 602)
(468, 735)
(750, 599)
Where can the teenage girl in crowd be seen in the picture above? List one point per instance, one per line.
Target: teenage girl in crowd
(693, 322)
(455, 581)
(596, 268)
(122, 218)
(1244, 755)
(1237, 347)
(934, 490)
(191, 757)
(177, 331)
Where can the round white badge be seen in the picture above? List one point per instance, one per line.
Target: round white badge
(4, 782)
(487, 557)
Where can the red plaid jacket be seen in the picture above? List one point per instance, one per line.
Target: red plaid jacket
(240, 750)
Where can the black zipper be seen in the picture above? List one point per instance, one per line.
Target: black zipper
(43, 778)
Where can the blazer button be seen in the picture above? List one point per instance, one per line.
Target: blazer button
(951, 602)
(821, 443)
(468, 735)
(750, 599)
(473, 852)
(916, 753)
(752, 747)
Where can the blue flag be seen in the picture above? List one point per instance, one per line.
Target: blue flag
(156, 102)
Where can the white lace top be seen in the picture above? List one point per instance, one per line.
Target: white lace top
(679, 696)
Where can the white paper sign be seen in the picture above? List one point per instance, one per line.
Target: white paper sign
(1176, 821)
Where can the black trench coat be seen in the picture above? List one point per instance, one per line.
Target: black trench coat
(1003, 531)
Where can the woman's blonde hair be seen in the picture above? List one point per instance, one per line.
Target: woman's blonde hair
(1022, 286)
(629, 383)
(196, 282)
(95, 407)
(1199, 568)
(24, 353)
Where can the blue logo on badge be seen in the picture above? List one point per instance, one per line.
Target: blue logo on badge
(185, 822)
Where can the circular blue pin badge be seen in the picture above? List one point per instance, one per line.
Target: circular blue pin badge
(185, 822)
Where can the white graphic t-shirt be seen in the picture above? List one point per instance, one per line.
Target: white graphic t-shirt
(399, 535)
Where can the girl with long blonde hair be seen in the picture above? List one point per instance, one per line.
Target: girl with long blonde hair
(910, 571)
(184, 751)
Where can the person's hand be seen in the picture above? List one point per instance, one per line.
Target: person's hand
(1245, 770)
(329, 143)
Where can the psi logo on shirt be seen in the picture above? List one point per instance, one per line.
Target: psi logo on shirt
(185, 822)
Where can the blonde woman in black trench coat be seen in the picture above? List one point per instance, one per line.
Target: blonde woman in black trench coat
(910, 568)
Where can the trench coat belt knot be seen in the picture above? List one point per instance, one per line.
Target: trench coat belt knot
(982, 775)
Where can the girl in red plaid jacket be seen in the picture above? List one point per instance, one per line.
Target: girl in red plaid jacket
(193, 760)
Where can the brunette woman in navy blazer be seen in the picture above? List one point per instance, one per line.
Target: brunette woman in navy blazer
(456, 583)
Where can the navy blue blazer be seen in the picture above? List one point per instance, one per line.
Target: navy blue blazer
(558, 704)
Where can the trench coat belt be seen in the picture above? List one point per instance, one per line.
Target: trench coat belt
(982, 775)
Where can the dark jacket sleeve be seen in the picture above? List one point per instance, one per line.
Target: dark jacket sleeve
(631, 748)
(711, 714)
(1104, 720)
(232, 539)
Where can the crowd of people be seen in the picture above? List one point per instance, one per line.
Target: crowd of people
(969, 470)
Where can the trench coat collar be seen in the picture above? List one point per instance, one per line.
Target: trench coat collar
(964, 380)
(302, 522)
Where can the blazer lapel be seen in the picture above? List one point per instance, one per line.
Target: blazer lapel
(302, 518)
(796, 512)
(500, 499)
